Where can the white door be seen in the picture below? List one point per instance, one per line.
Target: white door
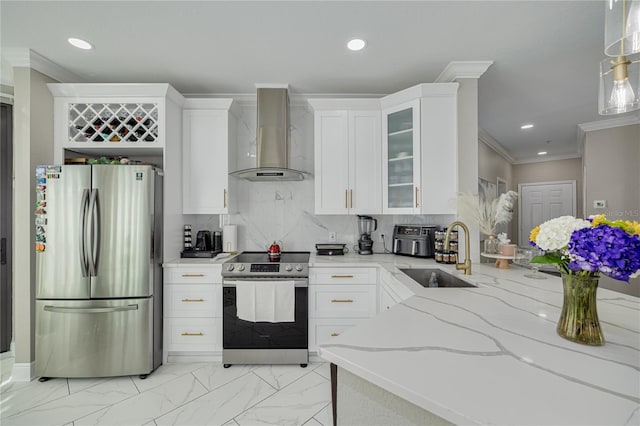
(539, 202)
(365, 180)
(331, 145)
(205, 162)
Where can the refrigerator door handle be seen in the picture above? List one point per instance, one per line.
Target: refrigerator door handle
(83, 234)
(68, 310)
(94, 232)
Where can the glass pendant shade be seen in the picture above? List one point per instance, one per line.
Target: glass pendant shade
(619, 85)
(622, 27)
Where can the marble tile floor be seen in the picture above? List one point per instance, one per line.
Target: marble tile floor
(175, 394)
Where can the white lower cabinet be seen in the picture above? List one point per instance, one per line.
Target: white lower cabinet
(388, 296)
(193, 334)
(322, 330)
(339, 298)
(192, 310)
(386, 300)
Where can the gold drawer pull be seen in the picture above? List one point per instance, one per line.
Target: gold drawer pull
(341, 301)
(192, 275)
(192, 334)
(335, 334)
(193, 300)
(341, 276)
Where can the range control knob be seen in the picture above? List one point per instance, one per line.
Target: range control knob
(288, 268)
(241, 267)
(298, 267)
(230, 268)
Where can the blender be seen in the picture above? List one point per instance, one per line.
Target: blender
(366, 225)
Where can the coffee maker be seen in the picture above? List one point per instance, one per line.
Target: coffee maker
(366, 225)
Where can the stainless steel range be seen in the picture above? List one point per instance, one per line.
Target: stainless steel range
(265, 341)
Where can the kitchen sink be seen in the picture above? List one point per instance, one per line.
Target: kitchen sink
(445, 279)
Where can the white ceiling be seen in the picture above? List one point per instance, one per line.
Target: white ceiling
(545, 53)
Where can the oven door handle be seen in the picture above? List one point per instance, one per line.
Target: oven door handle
(297, 283)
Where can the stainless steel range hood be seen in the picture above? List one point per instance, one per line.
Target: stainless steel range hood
(272, 139)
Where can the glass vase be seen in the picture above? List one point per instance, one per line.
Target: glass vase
(579, 317)
(491, 245)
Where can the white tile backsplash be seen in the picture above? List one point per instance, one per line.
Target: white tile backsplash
(284, 211)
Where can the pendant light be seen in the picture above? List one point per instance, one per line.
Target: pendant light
(620, 77)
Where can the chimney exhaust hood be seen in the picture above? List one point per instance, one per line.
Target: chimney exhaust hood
(272, 139)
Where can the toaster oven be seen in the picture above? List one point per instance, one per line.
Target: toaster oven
(414, 240)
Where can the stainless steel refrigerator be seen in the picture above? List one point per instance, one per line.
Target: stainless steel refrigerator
(98, 270)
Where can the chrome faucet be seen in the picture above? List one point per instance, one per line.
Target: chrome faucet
(466, 265)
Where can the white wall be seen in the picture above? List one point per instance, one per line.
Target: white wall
(32, 145)
(612, 173)
(468, 151)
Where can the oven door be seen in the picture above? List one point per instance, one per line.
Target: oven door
(241, 334)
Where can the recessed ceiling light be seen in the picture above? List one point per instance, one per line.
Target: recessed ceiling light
(356, 44)
(542, 153)
(526, 126)
(79, 43)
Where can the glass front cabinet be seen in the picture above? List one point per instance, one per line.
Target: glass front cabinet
(401, 158)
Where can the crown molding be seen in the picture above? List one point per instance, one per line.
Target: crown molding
(627, 120)
(22, 57)
(546, 158)
(488, 140)
(463, 69)
(295, 100)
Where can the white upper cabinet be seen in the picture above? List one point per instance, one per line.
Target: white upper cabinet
(419, 138)
(347, 146)
(113, 119)
(208, 152)
(401, 158)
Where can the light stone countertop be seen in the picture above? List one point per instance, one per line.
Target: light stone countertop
(491, 355)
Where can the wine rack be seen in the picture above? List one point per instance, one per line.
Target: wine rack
(113, 122)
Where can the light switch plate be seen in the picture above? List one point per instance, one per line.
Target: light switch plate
(332, 236)
(599, 204)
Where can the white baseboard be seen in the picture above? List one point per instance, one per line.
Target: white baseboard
(23, 372)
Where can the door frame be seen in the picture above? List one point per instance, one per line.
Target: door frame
(6, 226)
(521, 234)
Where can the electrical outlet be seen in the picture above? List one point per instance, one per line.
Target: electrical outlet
(332, 236)
(599, 204)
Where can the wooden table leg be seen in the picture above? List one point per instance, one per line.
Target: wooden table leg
(334, 392)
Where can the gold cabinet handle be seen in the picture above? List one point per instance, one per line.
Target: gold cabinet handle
(192, 275)
(346, 198)
(192, 334)
(351, 197)
(341, 301)
(225, 198)
(416, 196)
(341, 276)
(193, 300)
(335, 334)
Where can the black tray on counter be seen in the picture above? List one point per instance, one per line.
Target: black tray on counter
(199, 253)
(331, 249)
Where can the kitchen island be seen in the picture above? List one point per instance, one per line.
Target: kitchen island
(484, 355)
